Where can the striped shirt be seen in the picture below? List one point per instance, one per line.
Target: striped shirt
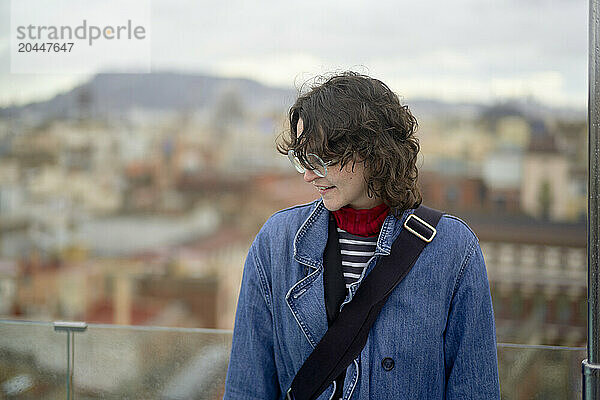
(356, 251)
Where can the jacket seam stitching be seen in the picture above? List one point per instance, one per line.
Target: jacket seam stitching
(263, 280)
(304, 227)
(354, 380)
(235, 391)
(466, 260)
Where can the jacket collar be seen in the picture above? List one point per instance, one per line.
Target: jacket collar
(311, 238)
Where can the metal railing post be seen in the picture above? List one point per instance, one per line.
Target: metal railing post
(70, 328)
(591, 365)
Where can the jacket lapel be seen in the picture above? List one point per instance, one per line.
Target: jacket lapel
(305, 298)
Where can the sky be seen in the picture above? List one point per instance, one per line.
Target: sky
(457, 51)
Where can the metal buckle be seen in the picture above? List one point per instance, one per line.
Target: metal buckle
(433, 230)
(288, 395)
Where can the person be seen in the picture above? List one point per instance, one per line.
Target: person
(434, 338)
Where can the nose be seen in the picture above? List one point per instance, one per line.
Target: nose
(309, 175)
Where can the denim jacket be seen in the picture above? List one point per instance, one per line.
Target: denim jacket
(434, 338)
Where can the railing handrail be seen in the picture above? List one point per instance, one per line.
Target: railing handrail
(155, 328)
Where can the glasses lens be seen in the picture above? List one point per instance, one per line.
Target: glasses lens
(314, 163)
(317, 165)
(295, 162)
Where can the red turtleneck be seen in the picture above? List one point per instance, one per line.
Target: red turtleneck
(366, 222)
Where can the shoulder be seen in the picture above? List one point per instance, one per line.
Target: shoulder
(456, 227)
(454, 243)
(300, 211)
(289, 218)
(274, 242)
(462, 245)
(284, 224)
(455, 250)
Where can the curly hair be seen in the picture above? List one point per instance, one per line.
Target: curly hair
(350, 117)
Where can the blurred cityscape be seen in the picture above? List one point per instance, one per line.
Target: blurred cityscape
(133, 199)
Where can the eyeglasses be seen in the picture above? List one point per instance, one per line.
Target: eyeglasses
(318, 166)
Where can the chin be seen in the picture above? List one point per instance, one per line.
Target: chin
(331, 206)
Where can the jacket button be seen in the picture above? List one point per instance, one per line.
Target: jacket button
(387, 363)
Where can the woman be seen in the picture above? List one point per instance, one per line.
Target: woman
(434, 337)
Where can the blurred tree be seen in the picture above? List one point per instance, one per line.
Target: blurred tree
(84, 103)
(228, 111)
(545, 199)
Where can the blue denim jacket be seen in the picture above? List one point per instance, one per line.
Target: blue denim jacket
(436, 332)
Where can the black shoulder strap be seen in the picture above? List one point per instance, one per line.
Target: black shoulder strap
(346, 337)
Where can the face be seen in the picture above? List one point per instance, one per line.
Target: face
(341, 188)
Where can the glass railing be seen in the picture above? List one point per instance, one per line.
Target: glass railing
(44, 361)
(540, 372)
(32, 361)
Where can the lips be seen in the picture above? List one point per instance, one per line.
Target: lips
(324, 189)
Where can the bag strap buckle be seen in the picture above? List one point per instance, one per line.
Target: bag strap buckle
(414, 228)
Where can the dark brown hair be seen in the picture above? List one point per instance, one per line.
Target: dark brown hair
(350, 117)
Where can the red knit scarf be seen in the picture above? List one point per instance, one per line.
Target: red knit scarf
(366, 222)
